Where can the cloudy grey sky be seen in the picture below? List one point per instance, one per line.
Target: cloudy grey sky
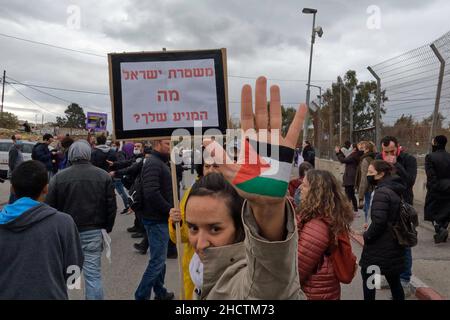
(262, 37)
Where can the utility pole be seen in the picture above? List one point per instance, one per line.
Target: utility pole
(340, 112)
(377, 111)
(438, 92)
(3, 89)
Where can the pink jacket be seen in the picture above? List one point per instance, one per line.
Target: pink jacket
(315, 269)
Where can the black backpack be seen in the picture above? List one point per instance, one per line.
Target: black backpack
(405, 228)
(136, 195)
(34, 151)
(98, 158)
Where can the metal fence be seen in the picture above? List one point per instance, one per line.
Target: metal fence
(416, 87)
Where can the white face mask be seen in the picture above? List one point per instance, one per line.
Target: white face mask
(137, 152)
(196, 271)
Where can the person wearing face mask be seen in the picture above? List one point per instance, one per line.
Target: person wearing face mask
(247, 250)
(15, 158)
(406, 168)
(437, 201)
(178, 215)
(381, 248)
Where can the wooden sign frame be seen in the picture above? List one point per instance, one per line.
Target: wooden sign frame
(114, 61)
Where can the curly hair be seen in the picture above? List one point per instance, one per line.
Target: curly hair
(326, 200)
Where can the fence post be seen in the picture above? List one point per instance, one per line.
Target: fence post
(438, 92)
(350, 107)
(377, 111)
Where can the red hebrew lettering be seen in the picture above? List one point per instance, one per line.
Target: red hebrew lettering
(209, 72)
(126, 74)
(199, 72)
(134, 75)
(187, 73)
(203, 115)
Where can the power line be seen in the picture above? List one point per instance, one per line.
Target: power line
(63, 89)
(32, 101)
(53, 96)
(105, 55)
(52, 46)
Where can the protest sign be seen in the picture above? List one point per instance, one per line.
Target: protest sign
(154, 93)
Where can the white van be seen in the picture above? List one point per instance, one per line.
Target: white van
(5, 144)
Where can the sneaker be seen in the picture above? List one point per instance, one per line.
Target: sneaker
(441, 236)
(139, 248)
(168, 296)
(406, 289)
(137, 235)
(132, 229)
(124, 211)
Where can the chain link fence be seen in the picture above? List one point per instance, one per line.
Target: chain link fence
(414, 103)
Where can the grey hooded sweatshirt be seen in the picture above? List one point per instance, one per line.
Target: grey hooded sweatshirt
(40, 253)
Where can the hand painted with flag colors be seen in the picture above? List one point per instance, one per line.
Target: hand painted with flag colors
(262, 179)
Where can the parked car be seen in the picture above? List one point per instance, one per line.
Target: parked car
(5, 144)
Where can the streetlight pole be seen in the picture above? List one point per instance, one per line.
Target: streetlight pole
(308, 91)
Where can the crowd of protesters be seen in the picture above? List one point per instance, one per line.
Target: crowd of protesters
(243, 238)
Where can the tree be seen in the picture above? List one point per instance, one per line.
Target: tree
(9, 120)
(75, 117)
(287, 116)
(364, 106)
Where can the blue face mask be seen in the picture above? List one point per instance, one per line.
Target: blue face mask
(19, 143)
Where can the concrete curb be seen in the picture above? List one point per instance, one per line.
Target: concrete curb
(421, 290)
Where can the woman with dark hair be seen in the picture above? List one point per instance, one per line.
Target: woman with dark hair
(382, 253)
(203, 169)
(351, 166)
(324, 215)
(247, 251)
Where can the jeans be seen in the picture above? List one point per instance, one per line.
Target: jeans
(394, 284)
(92, 245)
(153, 278)
(121, 190)
(367, 199)
(405, 277)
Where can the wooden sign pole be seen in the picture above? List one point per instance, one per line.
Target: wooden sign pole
(176, 204)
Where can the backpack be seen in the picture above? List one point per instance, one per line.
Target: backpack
(343, 259)
(98, 158)
(405, 228)
(136, 195)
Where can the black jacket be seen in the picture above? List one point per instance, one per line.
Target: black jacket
(37, 248)
(99, 156)
(42, 153)
(406, 169)
(87, 194)
(351, 166)
(156, 187)
(309, 155)
(380, 246)
(437, 201)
